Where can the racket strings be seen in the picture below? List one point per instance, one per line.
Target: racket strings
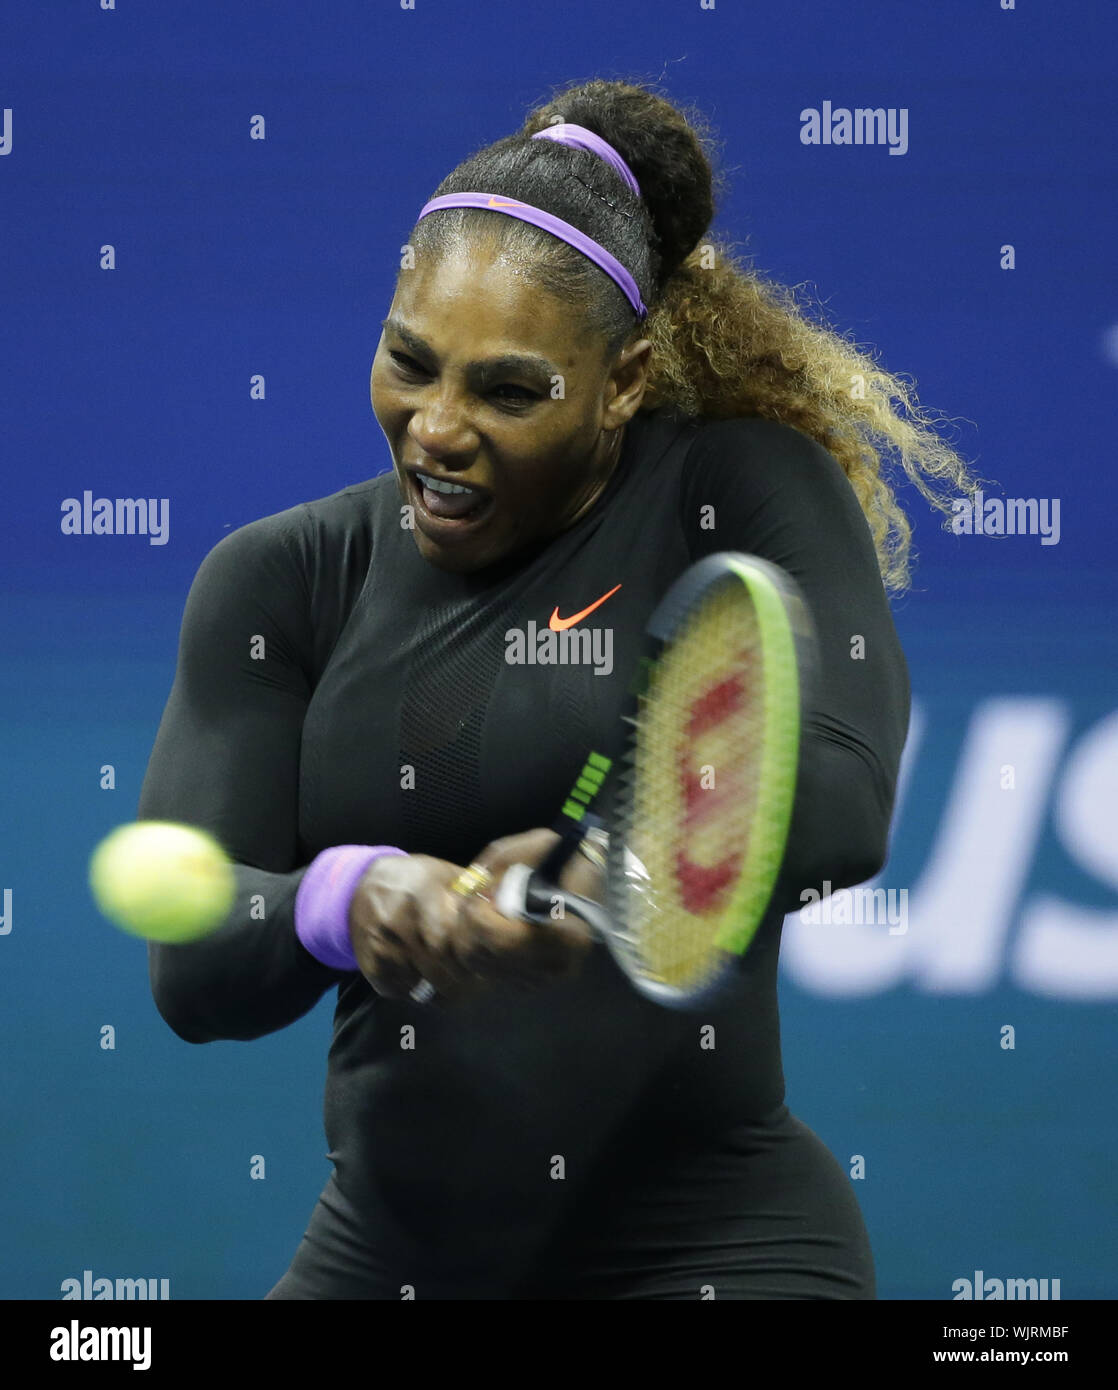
(694, 769)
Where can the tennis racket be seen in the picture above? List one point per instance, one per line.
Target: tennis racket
(694, 787)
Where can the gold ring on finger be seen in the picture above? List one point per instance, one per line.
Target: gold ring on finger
(472, 880)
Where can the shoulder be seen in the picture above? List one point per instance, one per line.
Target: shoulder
(770, 489)
(295, 539)
(748, 447)
(759, 463)
(291, 575)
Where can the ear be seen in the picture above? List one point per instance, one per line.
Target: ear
(628, 381)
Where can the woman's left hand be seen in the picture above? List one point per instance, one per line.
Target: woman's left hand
(531, 847)
(528, 951)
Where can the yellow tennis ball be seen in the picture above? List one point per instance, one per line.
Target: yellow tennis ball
(162, 880)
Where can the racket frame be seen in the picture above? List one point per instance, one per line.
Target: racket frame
(787, 648)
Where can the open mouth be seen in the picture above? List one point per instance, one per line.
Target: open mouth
(453, 504)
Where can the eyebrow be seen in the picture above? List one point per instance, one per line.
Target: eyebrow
(487, 369)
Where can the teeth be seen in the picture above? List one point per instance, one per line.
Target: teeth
(437, 486)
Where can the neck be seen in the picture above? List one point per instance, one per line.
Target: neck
(599, 479)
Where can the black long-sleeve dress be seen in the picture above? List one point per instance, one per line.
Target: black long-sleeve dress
(333, 687)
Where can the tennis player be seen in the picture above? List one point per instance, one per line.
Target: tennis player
(376, 708)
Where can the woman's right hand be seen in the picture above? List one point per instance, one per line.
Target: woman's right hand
(406, 925)
(402, 921)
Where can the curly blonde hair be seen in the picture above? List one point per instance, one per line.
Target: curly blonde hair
(727, 341)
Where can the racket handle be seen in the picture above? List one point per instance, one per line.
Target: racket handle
(520, 880)
(512, 892)
(571, 834)
(525, 892)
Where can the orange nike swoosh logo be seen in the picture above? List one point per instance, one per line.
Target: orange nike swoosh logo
(558, 624)
(493, 203)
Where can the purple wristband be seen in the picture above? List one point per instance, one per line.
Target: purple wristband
(323, 898)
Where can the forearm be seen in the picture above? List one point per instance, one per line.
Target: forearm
(839, 829)
(251, 977)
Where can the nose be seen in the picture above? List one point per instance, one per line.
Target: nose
(440, 429)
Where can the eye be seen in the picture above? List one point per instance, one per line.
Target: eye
(521, 395)
(406, 364)
(525, 398)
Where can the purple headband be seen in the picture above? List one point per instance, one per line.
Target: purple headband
(578, 135)
(565, 134)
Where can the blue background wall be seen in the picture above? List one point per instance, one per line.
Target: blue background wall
(238, 256)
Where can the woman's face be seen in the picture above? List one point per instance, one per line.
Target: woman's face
(484, 381)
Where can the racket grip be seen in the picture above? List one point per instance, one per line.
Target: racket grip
(512, 890)
(510, 901)
(511, 897)
(526, 893)
(571, 836)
